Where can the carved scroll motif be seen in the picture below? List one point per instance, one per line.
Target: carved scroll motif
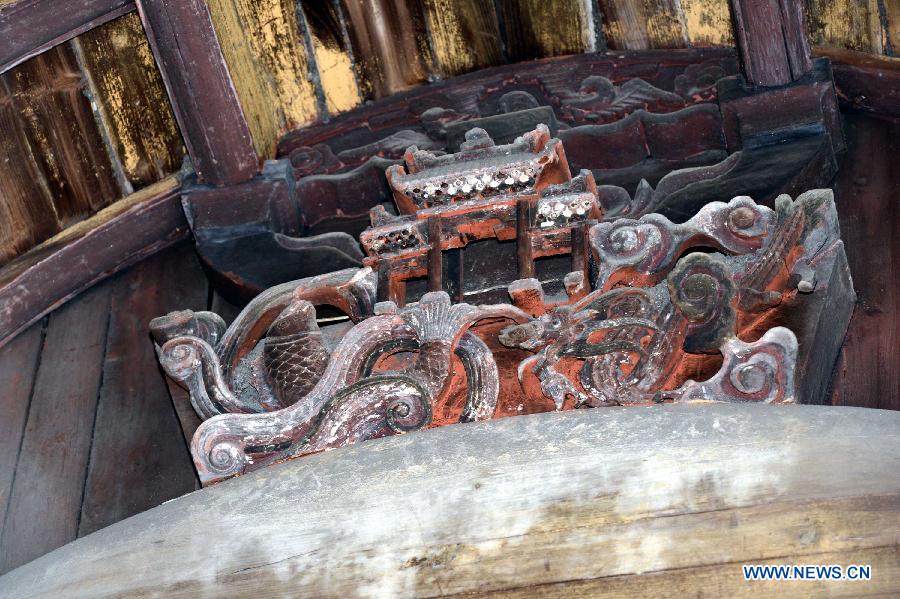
(650, 307)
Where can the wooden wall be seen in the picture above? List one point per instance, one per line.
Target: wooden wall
(89, 122)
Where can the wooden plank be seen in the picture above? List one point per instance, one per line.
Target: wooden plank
(708, 22)
(27, 214)
(45, 502)
(865, 82)
(209, 113)
(850, 24)
(866, 188)
(535, 29)
(131, 100)
(771, 38)
(268, 63)
(389, 42)
(138, 458)
(59, 123)
(63, 266)
(587, 498)
(323, 26)
(633, 25)
(29, 27)
(889, 13)
(18, 365)
(465, 35)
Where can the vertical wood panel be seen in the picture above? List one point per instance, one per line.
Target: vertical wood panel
(536, 28)
(60, 126)
(138, 457)
(45, 502)
(852, 24)
(27, 214)
(267, 59)
(643, 24)
(866, 187)
(18, 364)
(465, 35)
(890, 14)
(390, 46)
(323, 25)
(132, 100)
(708, 22)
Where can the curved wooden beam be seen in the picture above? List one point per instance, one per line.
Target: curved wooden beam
(588, 503)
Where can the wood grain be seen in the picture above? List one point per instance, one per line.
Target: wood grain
(465, 35)
(59, 124)
(212, 121)
(45, 502)
(117, 236)
(870, 226)
(389, 43)
(535, 29)
(850, 24)
(29, 27)
(323, 26)
(131, 99)
(708, 22)
(18, 365)
(645, 24)
(572, 503)
(268, 63)
(27, 214)
(138, 458)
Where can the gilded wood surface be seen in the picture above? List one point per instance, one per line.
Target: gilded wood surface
(325, 30)
(59, 124)
(708, 22)
(132, 100)
(464, 35)
(269, 66)
(535, 28)
(639, 25)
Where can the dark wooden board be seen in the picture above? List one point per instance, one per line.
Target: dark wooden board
(867, 188)
(120, 235)
(45, 501)
(59, 123)
(138, 458)
(28, 27)
(18, 365)
(27, 215)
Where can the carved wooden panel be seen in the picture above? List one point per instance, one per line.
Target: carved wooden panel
(642, 317)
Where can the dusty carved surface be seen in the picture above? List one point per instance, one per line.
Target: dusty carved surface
(652, 311)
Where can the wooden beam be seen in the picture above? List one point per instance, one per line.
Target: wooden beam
(771, 37)
(28, 27)
(547, 502)
(200, 87)
(865, 82)
(67, 264)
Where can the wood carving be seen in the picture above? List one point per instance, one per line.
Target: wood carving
(652, 311)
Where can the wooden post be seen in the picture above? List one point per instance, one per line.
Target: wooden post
(205, 102)
(523, 240)
(435, 261)
(771, 37)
